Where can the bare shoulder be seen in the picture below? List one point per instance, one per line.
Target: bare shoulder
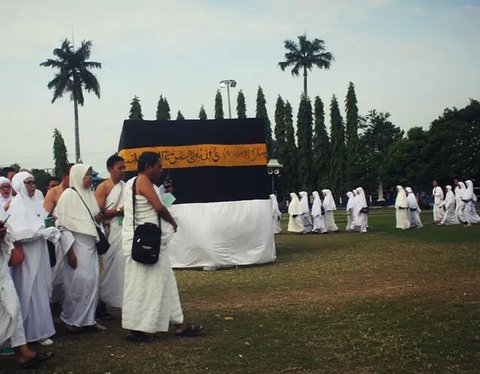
(104, 188)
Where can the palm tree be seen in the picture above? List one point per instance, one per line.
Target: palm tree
(72, 77)
(305, 55)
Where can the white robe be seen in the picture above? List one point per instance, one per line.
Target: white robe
(151, 299)
(438, 211)
(360, 219)
(450, 217)
(80, 284)
(459, 204)
(33, 281)
(276, 215)
(295, 223)
(305, 216)
(401, 208)
(11, 322)
(414, 211)
(318, 218)
(470, 199)
(113, 274)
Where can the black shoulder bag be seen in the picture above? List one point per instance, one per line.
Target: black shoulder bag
(365, 210)
(146, 238)
(102, 244)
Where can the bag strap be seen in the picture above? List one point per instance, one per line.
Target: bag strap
(133, 200)
(86, 206)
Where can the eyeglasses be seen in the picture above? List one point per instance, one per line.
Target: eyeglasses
(6, 187)
(29, 183)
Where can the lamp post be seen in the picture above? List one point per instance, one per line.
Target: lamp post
(273, 172)
(273, 169)
(228, 83)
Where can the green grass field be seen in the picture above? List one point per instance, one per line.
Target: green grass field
(385, 301)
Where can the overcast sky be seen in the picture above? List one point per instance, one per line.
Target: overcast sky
(409, 58)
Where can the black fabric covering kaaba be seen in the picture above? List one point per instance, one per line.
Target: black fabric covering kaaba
(208, 161)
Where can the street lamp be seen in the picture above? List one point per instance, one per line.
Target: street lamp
(228, 83)
(273, 169)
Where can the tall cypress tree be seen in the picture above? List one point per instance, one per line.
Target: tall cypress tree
(304, 138)
(180, 116)
(321, 147)
(241, 106)
(218, 105)
(202, 114)
(261, 112)
(290, 162)
(280, 129)
(135, 109)
(59, 154)
(351, 138)
(163, 109)
(337, 150)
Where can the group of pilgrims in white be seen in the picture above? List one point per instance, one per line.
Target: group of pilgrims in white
(451, 208)
(320, 218)
(49, 249)
(49, 255)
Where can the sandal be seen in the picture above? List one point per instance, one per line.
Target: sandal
(37, 360)
(140, 337)
(191, 330)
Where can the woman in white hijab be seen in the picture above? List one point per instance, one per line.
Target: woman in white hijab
(33, 276)
(450, 217)
(276, 215)
(401, 207)
(317, 214)
(329, 206)
(414, 211)
(360, 207)
(349, 208)
(459, 204)
(469, 198)
(5, 192)
(294, 222)
(75, 209)
(306, 220)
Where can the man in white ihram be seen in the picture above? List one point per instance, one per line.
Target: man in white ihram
(438, 211)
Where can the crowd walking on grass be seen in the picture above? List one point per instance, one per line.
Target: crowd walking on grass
(452, 208)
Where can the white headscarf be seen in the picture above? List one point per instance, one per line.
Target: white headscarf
(304, 202)
(469, 194)
(27, 216)
(360, 200)
(317, 204)
(350, 201)
(328, 201)
(294, 206)
(71, 211)
(411, 199)
(4, 200)
(401, 200)
(449, 198)
(275, 208)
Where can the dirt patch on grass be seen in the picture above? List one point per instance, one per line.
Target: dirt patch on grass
(452, 291)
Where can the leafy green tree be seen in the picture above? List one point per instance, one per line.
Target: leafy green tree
(241, 106)
(375, 142)
(321, 147)
(180, 116)
(304, 138)
(41, 179)
(280, 129)
(304, 56)
(163, 109)
(60, 155)
(405, 161)
(261, 112)
(202, 114)
(290, 175)
(135, 109)
(337, 149)
(72, 77)
(218, 105)
(351, 138)
(454, 141)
